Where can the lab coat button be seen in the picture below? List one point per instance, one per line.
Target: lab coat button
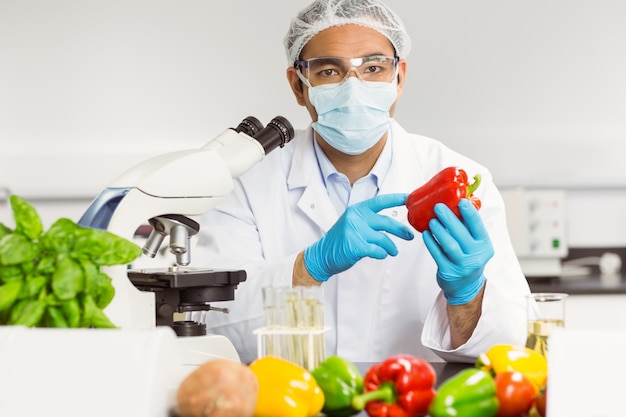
(394, 213)
(312, 205)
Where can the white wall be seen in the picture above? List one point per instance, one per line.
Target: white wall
(533, 89)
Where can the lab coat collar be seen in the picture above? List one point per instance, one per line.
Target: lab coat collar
(305, 169)
(304, 165)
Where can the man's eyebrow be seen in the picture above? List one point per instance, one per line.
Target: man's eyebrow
(338, 60)
(328, 60)
(378, 54)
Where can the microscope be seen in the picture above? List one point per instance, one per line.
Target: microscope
(170, 192)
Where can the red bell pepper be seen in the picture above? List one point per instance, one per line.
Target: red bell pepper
(449, 186)
(399, 386)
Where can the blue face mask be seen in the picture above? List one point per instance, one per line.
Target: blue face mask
(353, 115)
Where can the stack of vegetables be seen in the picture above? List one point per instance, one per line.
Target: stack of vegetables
(506, 381)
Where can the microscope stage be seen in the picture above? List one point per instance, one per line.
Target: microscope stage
(185, 277)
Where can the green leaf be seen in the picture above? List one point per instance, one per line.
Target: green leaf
(94, 316)
(68, 279)
(106, 291)
(16, 249)
(46, 264)
(33, 285)
(11, 273)
(51, 299)
(98, 285)
(31, 314)
(28, 267)
(4, 230)
(16, 311)
(27, 221)
(55, 317)
(92, 272)
(60, 236)
(73, 312)
(90, 244)
(106, 248)
(8, 294)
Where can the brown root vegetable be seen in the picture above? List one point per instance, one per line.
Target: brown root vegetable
(218, 388)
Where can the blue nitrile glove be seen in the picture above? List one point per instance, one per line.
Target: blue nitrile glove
(358, 233)
(461, 250)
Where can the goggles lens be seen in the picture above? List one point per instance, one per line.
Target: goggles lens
(333, 70)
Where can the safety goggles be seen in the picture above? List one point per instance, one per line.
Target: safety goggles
(332, 70)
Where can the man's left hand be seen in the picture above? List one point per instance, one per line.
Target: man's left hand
(461, 249)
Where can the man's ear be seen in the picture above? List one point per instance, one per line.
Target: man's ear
(402, 66)
(296, 85)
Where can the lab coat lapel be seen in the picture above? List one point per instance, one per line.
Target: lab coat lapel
(304, 173)
(316, 204)
(404, 175)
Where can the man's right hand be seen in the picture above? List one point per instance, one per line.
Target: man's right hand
(357, 234)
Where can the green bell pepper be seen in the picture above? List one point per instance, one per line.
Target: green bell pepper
(340, 380)
(470, 393)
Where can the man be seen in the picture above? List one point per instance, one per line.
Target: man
(328, 210)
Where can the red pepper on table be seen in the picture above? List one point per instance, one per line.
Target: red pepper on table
(399, 386)
(449, 186)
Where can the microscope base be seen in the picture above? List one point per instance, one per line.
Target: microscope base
(195, 350)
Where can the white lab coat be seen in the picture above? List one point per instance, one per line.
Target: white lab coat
(378, 307)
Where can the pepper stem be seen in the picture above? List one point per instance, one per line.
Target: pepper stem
(385, 393)
(473, 186)
(483, 362)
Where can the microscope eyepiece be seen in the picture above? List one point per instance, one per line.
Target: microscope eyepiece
(250, 126)
(276, 134)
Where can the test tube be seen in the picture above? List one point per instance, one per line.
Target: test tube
(313, 305)
(274, 306)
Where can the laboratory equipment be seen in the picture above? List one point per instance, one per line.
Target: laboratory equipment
(545, 312)
(537, 224)
(170, 192)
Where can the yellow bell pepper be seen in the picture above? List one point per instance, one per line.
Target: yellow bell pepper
(503, 358)
(285, 389)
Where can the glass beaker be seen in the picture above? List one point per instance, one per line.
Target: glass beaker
(545, 312)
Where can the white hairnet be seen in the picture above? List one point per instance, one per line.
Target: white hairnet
(323, 14)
